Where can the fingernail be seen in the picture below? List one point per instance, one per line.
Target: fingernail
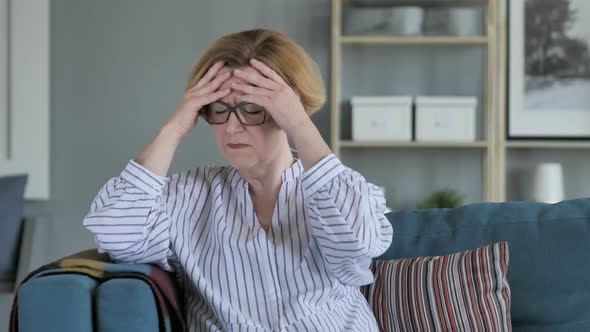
(237, 71)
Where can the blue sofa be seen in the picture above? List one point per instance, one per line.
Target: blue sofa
(549, 270)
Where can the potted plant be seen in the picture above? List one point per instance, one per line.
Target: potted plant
(446, 198)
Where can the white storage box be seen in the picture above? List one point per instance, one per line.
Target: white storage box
(381, 118)
(445, 118)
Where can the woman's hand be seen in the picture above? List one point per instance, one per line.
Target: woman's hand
(158, 154)
(204, 92)
(267, 89)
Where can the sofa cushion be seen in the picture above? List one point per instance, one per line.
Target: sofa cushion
(465, 291)
(549, 253)
(127, 305)
(58, 303)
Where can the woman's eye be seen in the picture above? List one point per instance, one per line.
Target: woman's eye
(219, 111)
(253, 109)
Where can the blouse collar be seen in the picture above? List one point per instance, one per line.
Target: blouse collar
(288, 175)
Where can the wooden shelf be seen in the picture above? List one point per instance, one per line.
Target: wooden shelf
(413, 144)
(426, 40)
(548, 144)
(374, 3)
(490, 46)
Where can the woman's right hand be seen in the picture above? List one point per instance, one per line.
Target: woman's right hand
(203, 93)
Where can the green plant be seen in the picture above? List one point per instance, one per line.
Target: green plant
(446, 198)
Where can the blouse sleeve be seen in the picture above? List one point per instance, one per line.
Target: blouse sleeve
(129, 219)
(346, 214)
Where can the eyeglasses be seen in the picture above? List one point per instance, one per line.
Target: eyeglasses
(248, 114)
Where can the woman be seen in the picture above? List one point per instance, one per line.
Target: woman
(276, 241)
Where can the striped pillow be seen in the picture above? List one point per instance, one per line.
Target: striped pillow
(465, 291)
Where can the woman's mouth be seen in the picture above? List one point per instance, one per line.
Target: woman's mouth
(237, 146)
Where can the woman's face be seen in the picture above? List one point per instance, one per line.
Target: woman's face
(257, 143)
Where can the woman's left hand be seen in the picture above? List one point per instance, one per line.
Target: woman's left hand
(267, 89)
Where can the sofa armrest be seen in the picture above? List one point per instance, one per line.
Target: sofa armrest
(69, 295)
(123, 297)
(126, 305)
(80, 303)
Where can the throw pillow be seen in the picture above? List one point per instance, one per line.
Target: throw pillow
(465, 291)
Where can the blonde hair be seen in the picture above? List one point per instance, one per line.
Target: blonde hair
(274, 49)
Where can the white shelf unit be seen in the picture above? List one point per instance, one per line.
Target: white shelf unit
(488, 145)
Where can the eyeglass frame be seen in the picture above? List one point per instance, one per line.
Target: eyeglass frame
(233, 109)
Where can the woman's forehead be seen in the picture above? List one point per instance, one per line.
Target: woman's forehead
(230, 99)
(227, 84)
(225, 69)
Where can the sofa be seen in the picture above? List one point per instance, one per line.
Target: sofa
(548, 273)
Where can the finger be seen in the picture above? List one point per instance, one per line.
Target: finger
(251, 90)
(211, 97)
(260, 100)
(267, 71)
(213, 85)
(256, 78)
(212, 72)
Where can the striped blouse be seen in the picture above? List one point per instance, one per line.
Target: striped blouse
(303, 275)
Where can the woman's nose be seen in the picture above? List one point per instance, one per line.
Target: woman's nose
(233, 124)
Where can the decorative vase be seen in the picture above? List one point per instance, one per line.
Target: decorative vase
(548, 183)
(406, 21)
(465, 22)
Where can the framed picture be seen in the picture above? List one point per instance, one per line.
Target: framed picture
(549, 69)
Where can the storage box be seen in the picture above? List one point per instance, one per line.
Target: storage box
(445, 118)
(382, 118)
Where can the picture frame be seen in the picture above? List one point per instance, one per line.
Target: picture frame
(549, 69)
